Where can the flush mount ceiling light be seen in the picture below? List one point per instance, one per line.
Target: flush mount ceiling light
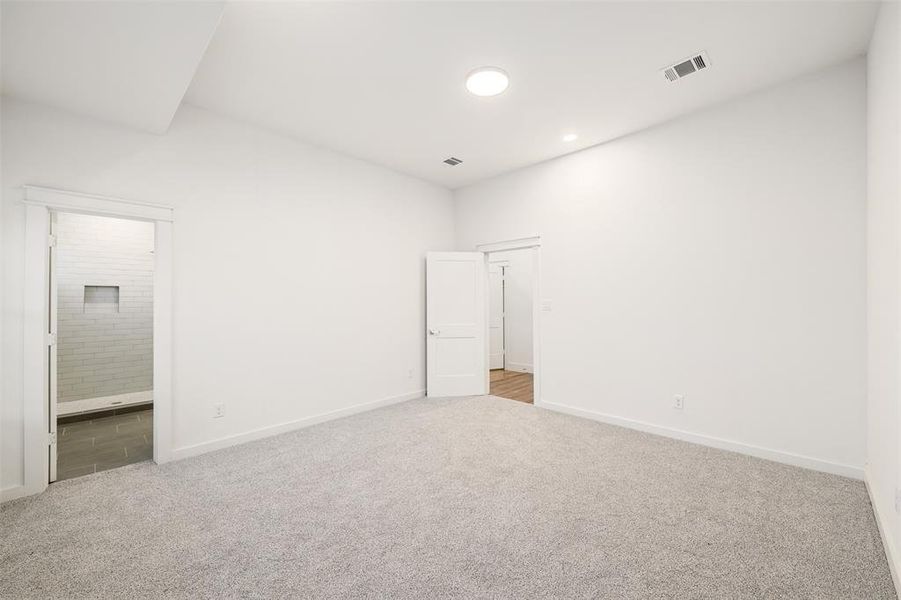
(570, 137)
(487, 81)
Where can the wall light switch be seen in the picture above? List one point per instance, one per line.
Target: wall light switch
(546, 306)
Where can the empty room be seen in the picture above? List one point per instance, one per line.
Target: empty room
(450, 299)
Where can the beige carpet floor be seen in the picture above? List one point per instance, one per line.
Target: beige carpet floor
(457, 498)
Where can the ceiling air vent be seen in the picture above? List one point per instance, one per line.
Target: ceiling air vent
(453, 161)
(686, 67)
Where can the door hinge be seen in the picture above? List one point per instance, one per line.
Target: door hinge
(51, 240)
(52, 438)
(51, 339)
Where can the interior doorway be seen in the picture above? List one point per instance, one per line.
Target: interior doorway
(458, 321)
(510, 324)
(40, 331)
(101, 356)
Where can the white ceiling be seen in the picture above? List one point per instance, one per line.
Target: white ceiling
(125, 62)
(384, 81)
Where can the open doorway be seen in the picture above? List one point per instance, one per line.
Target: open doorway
(101, 275)
(510, 324)
(40, 335)
(459, 354)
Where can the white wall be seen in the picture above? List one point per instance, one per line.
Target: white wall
(103, 349)
(720, 256)
(884, 268)
(518, 307)
(298, 273)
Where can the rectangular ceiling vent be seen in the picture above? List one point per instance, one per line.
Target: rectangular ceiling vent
(686, 67)
(453, 161)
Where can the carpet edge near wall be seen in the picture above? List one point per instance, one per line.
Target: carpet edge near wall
(779, 456)
(287, 426)
(886, 536)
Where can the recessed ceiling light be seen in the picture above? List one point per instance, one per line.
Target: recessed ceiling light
(570, 137)
(487, 81)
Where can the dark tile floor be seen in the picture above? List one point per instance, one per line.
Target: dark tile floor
(103, 442)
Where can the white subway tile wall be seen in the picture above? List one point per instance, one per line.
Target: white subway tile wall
(107, 351)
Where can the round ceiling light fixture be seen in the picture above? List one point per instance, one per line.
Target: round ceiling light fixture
(570, 137)
(487, 81)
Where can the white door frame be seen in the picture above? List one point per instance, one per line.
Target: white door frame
(40, 202)
(52, 356)
(502, 265)
(521, 244)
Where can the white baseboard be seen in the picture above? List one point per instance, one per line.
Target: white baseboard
(11, 493)
(888, 537)
(521, 367)
(797, 460)
(264, 432)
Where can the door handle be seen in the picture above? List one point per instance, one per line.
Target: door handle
(434, 332)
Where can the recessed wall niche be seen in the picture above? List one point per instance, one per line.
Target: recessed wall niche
(101, 298)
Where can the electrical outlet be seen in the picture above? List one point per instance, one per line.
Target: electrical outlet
(898, 500)
(409, 373)
(218, 410)
(678, 402)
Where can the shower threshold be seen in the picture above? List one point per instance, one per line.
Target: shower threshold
(89, 405)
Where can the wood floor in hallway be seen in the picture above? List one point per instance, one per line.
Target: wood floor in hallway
(513, 385)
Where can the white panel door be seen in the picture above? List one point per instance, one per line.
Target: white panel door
(456, 352)
(495, 316)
